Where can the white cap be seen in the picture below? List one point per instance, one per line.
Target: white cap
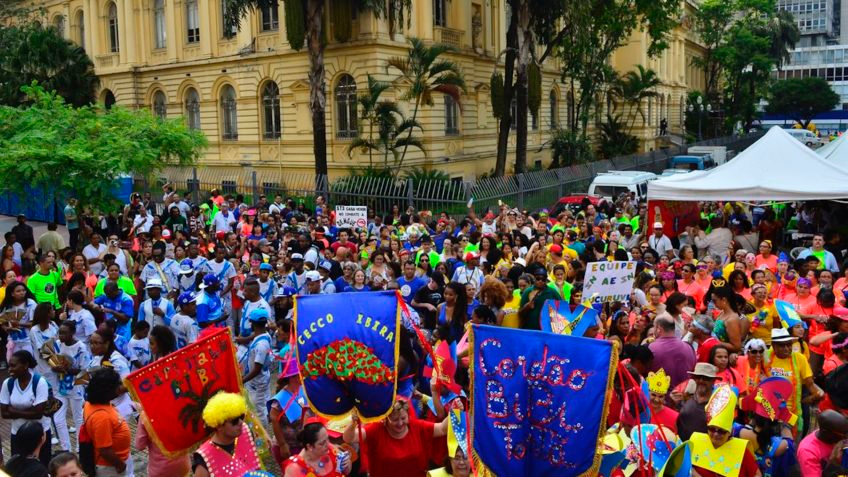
(154, 283)
(297, 256)
(658, 225)
(313, 276)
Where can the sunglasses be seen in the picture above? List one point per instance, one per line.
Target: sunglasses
(756, 351)
(716, 430)
(236, 420)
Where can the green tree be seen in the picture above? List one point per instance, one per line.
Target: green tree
(615, 140)
(80, 151)
(711, 21)
(308, 16)
(801, 99)
(427, 74)
(30, 52)
(633, 89)
(596, 28)
(388, 131)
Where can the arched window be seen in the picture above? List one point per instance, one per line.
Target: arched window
(59, 25)
(160, 105)
(192, 108)
(346, 107)
(159, 23)
(81, 29)
(451, 116)
(108, 99)
(192, 22)
(114, 45)
(229, 114)
(554, 110)
(271, 111)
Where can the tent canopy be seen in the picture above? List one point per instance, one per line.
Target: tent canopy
(777, 167)
(836, 151)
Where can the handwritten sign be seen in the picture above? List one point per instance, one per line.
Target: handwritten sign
(352, 216)
(174, 390)
(563, 321)
(347, 352)
(538, 401)
(609, 281)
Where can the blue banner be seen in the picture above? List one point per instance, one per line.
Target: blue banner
(538, 401)
(557, 317)
(347, 352)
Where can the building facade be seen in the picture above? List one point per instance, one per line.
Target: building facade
(247, 89)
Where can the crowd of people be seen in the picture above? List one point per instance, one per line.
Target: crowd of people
(701, 327)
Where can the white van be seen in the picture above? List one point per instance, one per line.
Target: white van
(807, 137)
(614, 183)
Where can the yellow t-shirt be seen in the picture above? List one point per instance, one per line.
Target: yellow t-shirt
(767, 315)
(510, 310)
(782, 367)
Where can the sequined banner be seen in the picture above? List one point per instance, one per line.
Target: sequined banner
(538, 401)
(174, 390)
(347, 346)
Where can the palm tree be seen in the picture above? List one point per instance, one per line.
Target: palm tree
(396, 11)
(784, 33)
(394, 131)
(426, 74)
(635, 87)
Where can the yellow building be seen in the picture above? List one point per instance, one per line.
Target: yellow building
(248, 91)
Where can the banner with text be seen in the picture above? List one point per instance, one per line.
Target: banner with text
(174, 390)
(347, 351)
(608, 281)
(538, 401)
(351, 216)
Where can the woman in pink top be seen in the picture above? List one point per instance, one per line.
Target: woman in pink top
(765, 256)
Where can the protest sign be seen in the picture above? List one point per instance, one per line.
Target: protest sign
(609, 281)
(675, 216)
(352, 216)
(538, 401)
(174, 390)
(347, 351)
(557, 317)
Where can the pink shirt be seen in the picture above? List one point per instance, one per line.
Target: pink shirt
(159, 465)
(813, 455)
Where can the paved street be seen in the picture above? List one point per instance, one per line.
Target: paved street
(38, 228)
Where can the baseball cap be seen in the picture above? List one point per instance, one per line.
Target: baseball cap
(286, 291)
(209, 280)
(658, 225)
(153, 283)
(166, 234)
(267, 267)
(326, 265)
(556, 249)
(186, 297)
(471, 256)
(258, 315)
(186, 266)
(297, 256)
(313, 276)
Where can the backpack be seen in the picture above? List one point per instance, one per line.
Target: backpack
(51, 406)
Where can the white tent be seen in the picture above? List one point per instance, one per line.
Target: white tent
(836, 151)
(777, 167)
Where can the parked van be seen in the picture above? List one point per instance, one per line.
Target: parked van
(614, 183)
(692, 162)
(807, 137)
(719, 153)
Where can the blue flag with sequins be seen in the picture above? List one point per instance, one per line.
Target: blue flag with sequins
(538, 401)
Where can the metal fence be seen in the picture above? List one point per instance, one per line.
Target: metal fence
(531, 190)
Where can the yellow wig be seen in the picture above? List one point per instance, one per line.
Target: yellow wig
(222, 407)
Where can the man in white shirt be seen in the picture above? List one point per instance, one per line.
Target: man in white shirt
(224, 219)
(660, 242)
(716, 242)
(183, 324)
(163, 268)
(93, 252)
(470, 272)
(143, 221)
(277, 206)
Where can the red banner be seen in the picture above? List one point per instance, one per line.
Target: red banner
(174, 390)
(674, 215)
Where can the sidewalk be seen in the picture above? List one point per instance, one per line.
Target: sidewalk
(38, 228)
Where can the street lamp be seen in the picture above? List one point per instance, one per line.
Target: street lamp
(700, 107)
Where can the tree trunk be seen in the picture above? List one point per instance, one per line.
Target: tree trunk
(525, 43)
(505, 122)
(317, 94)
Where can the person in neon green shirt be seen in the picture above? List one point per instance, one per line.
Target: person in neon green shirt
(560, 284)
(114, 275)
(44, 283)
